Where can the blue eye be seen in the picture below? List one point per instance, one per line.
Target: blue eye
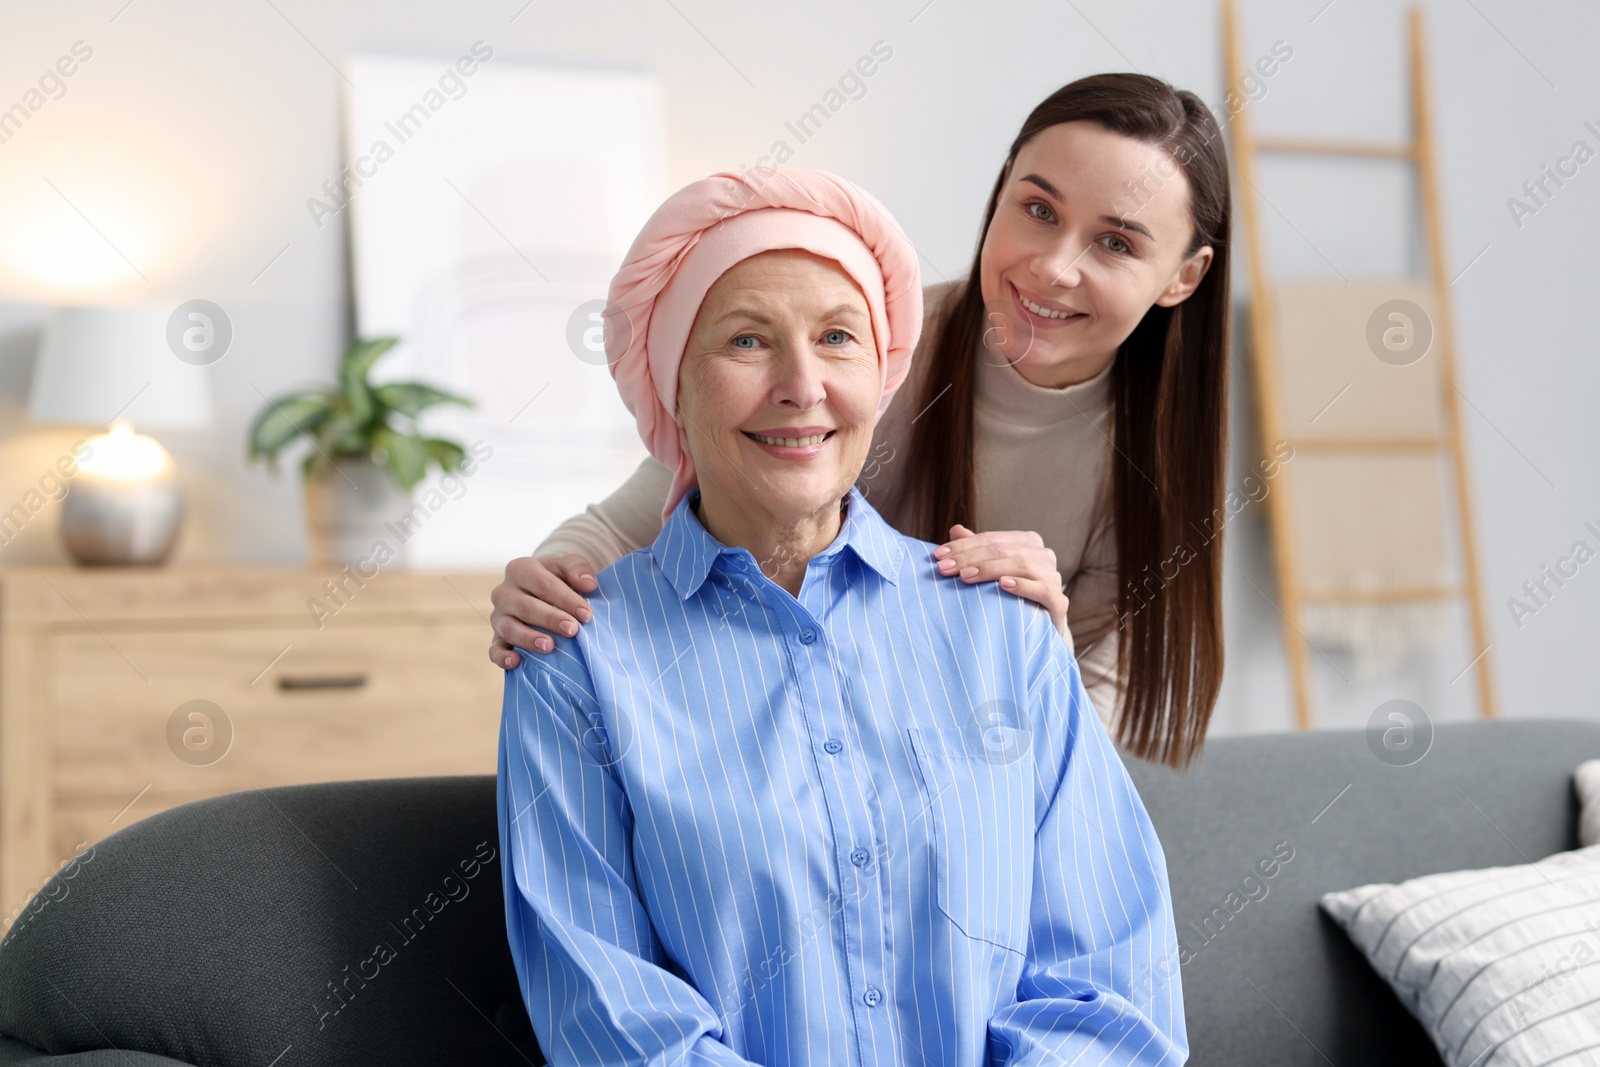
(744, 337)
(836, 337)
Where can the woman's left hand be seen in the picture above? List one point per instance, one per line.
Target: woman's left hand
(1018, 559)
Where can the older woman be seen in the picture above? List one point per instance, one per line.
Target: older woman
(790, 797)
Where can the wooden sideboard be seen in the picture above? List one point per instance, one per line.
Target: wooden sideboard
(126, 691)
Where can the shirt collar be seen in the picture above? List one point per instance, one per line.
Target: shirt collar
(687, 553)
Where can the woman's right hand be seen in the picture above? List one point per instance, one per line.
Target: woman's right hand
(542, 591)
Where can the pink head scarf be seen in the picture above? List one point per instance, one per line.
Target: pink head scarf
(704, 229)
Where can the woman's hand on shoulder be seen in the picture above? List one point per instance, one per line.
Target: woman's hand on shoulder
(1017, 559)
(538, 591)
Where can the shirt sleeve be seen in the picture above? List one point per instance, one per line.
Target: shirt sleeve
(594, 975)
(1102, 969)
(627, 520)
(1092, 618)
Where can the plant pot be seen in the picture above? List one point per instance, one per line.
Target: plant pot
(351, 514)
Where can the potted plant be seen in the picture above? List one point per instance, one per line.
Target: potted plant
(366, 452)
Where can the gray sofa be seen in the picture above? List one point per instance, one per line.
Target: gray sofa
(1272, 981)
(241, 931)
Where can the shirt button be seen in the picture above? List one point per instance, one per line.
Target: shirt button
(872, 996)
(860, 857)
(833, 746)
(808, 636)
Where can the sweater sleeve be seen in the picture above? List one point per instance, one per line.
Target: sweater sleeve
(1092, 618)
(627, 520)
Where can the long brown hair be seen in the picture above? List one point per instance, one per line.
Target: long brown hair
(1169, 387)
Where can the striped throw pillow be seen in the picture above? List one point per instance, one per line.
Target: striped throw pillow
(1501, 965)
(1586, 780)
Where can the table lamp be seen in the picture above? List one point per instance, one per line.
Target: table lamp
(112, 367)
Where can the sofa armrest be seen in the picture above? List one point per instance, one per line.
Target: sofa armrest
(16, 1054)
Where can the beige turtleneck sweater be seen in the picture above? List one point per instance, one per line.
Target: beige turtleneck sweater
(1043, 463)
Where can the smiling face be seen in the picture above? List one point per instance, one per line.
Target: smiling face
(778, 391)
(1091, 229)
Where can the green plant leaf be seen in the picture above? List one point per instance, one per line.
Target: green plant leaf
(406, 455)
(447, 454)
(341, 434)
(353, 421)
(411, 398)
(286, 418)
(353, 370)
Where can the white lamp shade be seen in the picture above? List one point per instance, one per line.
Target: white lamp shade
(99, 363)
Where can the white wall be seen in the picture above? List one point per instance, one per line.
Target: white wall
(194, 135)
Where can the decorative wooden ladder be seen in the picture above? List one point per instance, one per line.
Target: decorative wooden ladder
(1278, 424)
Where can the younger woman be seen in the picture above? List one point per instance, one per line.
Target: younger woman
(1068, 398)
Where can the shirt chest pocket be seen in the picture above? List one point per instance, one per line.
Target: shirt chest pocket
(977, 794)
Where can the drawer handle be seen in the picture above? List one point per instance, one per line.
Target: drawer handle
(322, 681)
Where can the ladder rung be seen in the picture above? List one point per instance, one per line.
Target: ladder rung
(1370, 444)
(1382, 594)
(1307, 146)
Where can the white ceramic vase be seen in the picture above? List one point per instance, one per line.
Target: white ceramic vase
(350, 510)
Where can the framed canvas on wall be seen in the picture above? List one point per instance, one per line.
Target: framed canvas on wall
(488, 205)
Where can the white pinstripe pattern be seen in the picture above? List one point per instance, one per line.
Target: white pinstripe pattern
(1501, 965)
(905, 840)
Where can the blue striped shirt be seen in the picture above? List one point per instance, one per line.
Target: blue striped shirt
(877, 824)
